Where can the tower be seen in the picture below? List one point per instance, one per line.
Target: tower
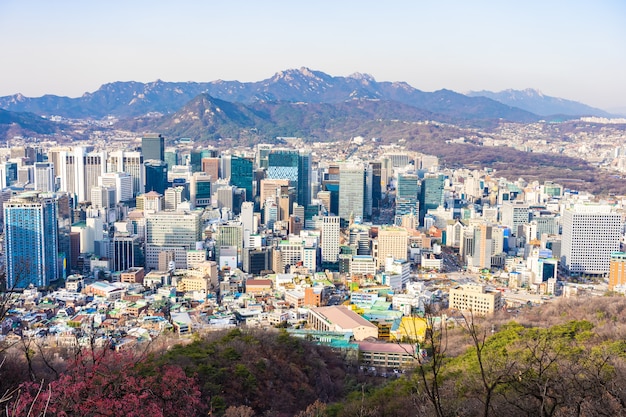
(591, 233)
(330, 238)
(431, 195)
(31, 240)
(44, 177)
(153, 147)
(351, 192)
(407, 192)
(156, 176)
(241, 174)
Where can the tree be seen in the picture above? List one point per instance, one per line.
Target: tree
(113, 385)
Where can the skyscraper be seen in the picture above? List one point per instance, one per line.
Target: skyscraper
(351, 192)
(241, 174)
(407, 193)
(392, 241)
(172, 231)
(295, 166)
(431, 195)
(330, 239)
(156, 176)
(31, 240)
(153, 147)
(44, 177)
(591, 233)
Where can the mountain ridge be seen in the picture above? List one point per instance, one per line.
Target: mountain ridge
(125, 99)
(536, 102)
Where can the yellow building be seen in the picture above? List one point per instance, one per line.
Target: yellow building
(475, 298)
(617, 270)
(410, 328)
(392, 241)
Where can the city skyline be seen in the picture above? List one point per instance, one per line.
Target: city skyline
(564, 49)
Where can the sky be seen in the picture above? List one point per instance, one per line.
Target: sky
(565, 48)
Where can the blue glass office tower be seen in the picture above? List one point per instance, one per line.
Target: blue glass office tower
(153, 147)
(242, 174)
(31, 240)
(295, 166)
(407, 193)
(431, 195)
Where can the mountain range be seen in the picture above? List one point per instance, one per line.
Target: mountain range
(295, 102)
(536, 102)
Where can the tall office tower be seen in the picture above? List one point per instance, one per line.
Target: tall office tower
(392, 241)
(156, 176)
(367, 197)
(270, 214)
(407, 195)
(200, 189)
(330, 239)
(617, 270)
(44, 177)
(171, 157)
(324, 198)
(94, 167)
(247, 217)
(304, 178)
(241, 175)
(103, 197)
(295, 166)
(122, 252)
(225, 196)
(330, 183)
(376, 178)
(121, 181)
(153, 147)
(212, 167)
(590, 234)
(285, 204)
(173, 197)
(351, 192)
(9, 173)
(431, 195)
(230, 236)
(514, 214)
(262, 155)
(172, 231)
(132, 164)
(272, 188)
(483, 246)
(54, 157)
(25, 174)
(31, 240)
(65, 171)
(195, 160)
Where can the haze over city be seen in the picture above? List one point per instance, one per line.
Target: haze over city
(571, 50)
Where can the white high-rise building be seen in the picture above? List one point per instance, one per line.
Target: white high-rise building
(173, 231)
(132, 164)
(247, 217)
(330, 238)
(44, 177)
(121, 181)
(590, 234)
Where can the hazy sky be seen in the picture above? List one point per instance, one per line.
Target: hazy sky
(565, 48)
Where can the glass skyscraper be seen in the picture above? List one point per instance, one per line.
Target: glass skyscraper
(295, 166)
(407, 192)
(153, 147)
(31, 240)
(242, 174)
